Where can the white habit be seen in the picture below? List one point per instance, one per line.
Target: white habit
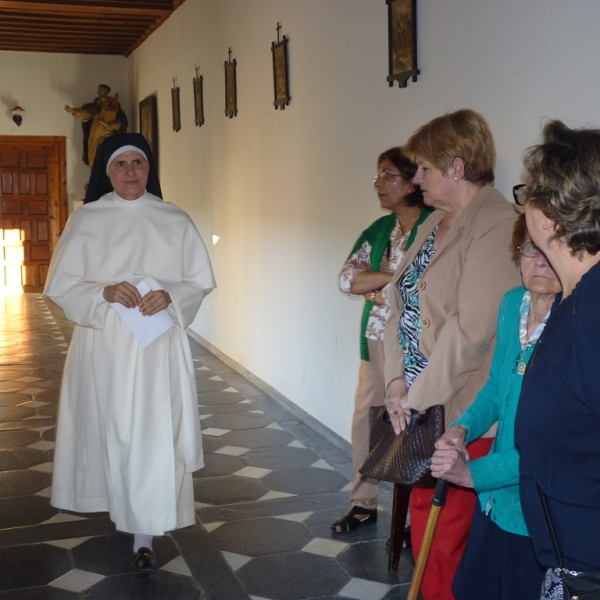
(128, 433)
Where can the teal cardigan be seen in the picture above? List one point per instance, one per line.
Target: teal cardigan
(496, 476)
(378, 235)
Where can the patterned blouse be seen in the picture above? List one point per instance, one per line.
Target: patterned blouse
(409, 325)
(361, 261)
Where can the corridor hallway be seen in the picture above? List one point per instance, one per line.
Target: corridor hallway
(265, 500)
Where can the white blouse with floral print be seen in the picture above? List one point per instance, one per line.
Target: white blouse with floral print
(361, 261)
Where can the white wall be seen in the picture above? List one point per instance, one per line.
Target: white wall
(289, 191)
(42, 84)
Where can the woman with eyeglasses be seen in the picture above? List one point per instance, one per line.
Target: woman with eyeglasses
(499, 562)
(368, 272)
(446, 294)
(557, 428)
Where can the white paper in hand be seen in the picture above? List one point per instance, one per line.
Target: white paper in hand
(145, 329)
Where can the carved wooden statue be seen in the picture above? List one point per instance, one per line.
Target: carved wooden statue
(101, 118)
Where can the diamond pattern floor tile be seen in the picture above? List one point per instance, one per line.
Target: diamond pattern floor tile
(253, 472)
(43, 467)
(42, 445)
(321, 464)
(77, 581)
(69, 544)
(215, 431)
(362, 589)
(324, 547)
(232, 450)
(297, 517)
(64, 518)
(236, 561)
(177, 565)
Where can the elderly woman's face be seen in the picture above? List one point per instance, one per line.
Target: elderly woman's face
(128, 174)
(538, 276)
(437, 187)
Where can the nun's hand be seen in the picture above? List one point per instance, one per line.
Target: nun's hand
(124, 293)
(153, 302)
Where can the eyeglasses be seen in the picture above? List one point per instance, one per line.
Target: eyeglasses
(529, 250)
(384, 176)
(519, 193)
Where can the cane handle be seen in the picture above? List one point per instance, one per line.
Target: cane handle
(441, 491)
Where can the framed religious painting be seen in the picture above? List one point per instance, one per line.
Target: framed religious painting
(230, 87)
(198, 99)
(149, 124)
(279, 50)
(176, 107)
(402, 41)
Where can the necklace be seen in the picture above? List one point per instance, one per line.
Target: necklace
(410, 226)
(525, 340)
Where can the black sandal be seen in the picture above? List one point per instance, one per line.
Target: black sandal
(406, 543)
(353, 518)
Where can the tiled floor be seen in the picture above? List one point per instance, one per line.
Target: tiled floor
(265, 500)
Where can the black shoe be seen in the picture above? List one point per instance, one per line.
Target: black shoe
(407, 543)
(145, 560)
(353, 518)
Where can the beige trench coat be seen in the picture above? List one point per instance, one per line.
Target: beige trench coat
(459, 296)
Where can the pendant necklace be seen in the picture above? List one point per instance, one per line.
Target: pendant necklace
(522, 365)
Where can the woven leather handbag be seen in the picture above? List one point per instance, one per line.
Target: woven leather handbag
(403, 458)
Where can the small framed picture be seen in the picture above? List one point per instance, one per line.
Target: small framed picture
(280, 72)
(402, 41)
(149, 124)
(230, 87)
(198, 100)
(176, 108)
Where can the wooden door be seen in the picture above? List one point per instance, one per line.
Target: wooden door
(33, 208)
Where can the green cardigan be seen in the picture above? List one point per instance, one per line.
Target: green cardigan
(496, 476)
(378, 235)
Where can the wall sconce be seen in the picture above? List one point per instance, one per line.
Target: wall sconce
(17, 113)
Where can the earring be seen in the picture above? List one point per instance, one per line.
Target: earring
(456, 179)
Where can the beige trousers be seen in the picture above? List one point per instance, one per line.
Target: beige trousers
(369, 392)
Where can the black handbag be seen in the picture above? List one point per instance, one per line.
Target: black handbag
(403, 458)
(584, 586)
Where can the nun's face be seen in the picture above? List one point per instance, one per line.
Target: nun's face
(128, 174)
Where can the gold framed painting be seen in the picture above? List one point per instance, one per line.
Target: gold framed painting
(280, 73)
(176, 107)
(402, 41)
(149, 124)
(198, 99)
(231, 109)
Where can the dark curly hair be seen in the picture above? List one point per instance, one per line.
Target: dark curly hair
(407, 169)
(564, 183)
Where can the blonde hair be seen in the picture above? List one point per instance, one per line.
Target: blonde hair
(462, 134)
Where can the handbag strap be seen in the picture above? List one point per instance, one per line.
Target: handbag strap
(551, 530)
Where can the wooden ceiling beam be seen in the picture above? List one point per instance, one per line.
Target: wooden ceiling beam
(79, 26)
(24, 29)
(66, 48)
(81, 39)
(94, 23)
(118, 8)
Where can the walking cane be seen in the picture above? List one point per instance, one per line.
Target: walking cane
(437, 502)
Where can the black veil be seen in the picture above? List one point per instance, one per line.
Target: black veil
(100, 184)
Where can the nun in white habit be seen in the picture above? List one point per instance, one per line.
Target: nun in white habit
(128, 434)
